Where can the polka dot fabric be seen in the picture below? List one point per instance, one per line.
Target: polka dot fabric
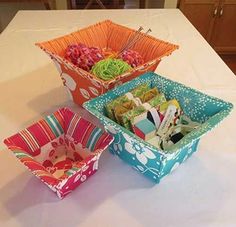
(144, 157)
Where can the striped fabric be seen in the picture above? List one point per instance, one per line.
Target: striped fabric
(63, 121)
(34, 137)
(27, 144)
(85, 132)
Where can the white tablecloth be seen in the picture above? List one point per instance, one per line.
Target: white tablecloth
(201, 192)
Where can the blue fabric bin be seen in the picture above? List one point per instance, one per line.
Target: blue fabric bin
(144, 157)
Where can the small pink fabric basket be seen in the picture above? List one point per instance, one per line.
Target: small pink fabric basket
(62, 150)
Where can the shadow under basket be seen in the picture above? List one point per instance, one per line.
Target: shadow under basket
(62, 150)
(83, 85)
(147, 159)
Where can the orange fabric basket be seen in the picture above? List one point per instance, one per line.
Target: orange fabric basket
(83, 85)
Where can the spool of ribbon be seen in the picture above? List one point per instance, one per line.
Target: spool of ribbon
(136, 92)
(123, 108)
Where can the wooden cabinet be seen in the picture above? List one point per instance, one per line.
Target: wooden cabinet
(215, 20)
(224, 32)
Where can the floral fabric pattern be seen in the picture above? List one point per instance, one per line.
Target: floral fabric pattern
(62, 149)
(82, 84)
(144, 157)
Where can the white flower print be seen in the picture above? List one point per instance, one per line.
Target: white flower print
(139, 150)
(85, 93)
(117, 147)
(95, 165)
(68, 81)
(84, 168)
(140, 168)
(95, 83)
(186, 156)
(94, 91)
(77, 178)
(83, 178)
(111, 129)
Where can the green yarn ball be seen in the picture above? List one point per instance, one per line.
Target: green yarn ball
(109, 68)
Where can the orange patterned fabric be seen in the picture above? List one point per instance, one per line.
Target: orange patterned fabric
(106, 35)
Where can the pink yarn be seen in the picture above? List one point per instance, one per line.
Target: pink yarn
(82, 56)
(132, 57)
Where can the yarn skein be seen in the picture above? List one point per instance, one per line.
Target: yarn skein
(109, 68)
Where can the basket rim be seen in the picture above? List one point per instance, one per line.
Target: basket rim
(14, 148)
(119, 77)
(174, 149)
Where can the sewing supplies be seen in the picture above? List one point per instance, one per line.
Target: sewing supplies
(136, 92)
(151, 117)
(109, 68)
(107, 64)
(144, 129)
(82, 56)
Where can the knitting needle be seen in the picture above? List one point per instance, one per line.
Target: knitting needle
(130, 39)
(139, 37)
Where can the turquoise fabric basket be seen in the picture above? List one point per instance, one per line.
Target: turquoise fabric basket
(144, 157)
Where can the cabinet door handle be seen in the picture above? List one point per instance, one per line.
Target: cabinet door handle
(221, 12)
(215, 12)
